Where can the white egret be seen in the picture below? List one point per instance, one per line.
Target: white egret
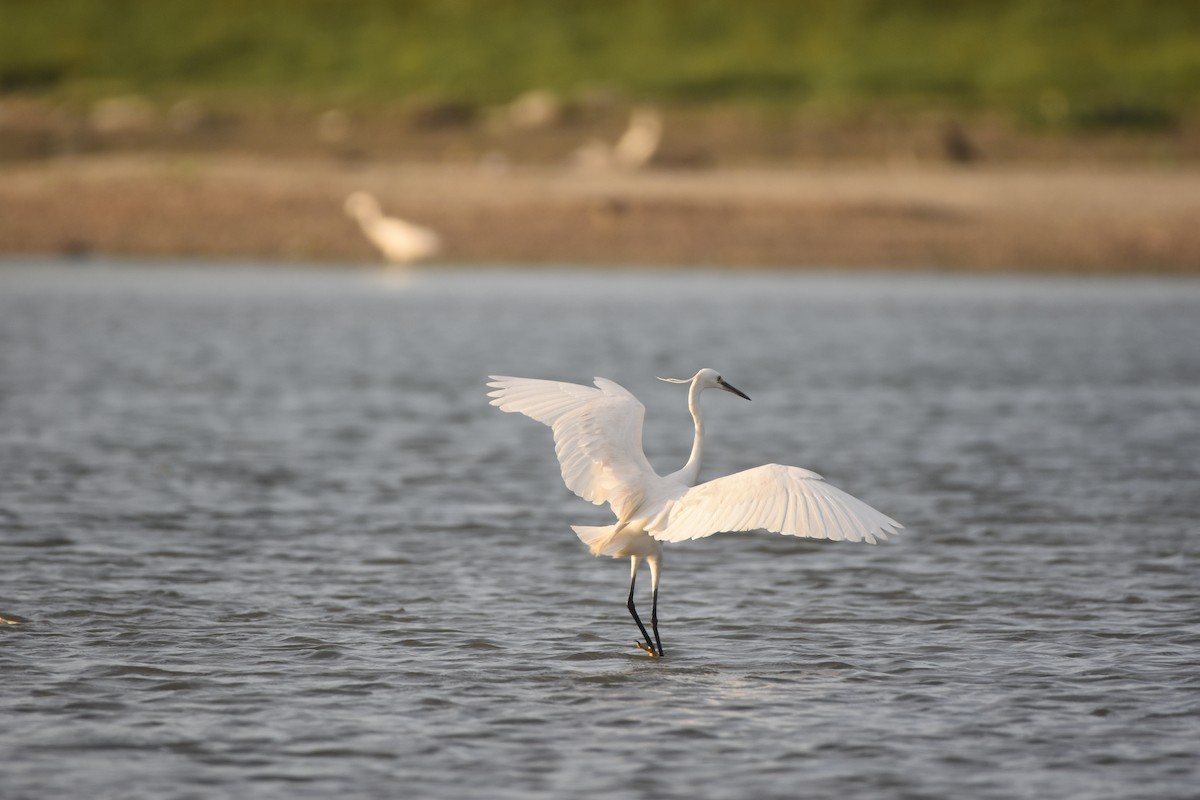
(598, 439)
(400, 241)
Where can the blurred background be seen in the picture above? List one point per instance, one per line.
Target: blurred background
(1005, 134)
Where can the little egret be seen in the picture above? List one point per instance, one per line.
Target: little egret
(401, 242)
(598, 439)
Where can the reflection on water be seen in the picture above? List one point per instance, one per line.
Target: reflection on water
(264, 537)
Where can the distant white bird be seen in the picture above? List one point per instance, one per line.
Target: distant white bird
(633, 150)
(401, 242)
(640, 141)
(598, 439)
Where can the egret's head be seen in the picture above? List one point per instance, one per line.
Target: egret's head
(708, 379)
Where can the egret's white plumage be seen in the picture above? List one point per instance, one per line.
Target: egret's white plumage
(400, 241)
(598, 439)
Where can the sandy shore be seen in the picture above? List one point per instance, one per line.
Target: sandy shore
(1076, 219)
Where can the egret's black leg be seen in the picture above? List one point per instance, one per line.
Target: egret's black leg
(654, 621)
(633, 611)
(655, 561)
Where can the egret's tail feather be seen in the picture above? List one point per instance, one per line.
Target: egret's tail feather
(598, 539)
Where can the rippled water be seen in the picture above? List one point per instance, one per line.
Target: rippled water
(265, 538)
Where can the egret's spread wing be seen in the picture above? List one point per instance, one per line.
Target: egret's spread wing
(787, 500)
(597, 433)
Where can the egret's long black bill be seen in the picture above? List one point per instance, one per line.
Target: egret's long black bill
(730, 388)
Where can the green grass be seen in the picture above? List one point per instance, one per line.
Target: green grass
(1101, 63)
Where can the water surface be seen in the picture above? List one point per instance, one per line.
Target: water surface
(266, 538)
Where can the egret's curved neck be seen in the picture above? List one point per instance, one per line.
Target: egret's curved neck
(690, 474)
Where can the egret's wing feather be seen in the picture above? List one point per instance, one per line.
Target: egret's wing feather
(787, 500)
(597, 434)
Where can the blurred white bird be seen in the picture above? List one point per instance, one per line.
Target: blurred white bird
(633, 150)
(401, 242)
(598, 439)
(640, 141)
